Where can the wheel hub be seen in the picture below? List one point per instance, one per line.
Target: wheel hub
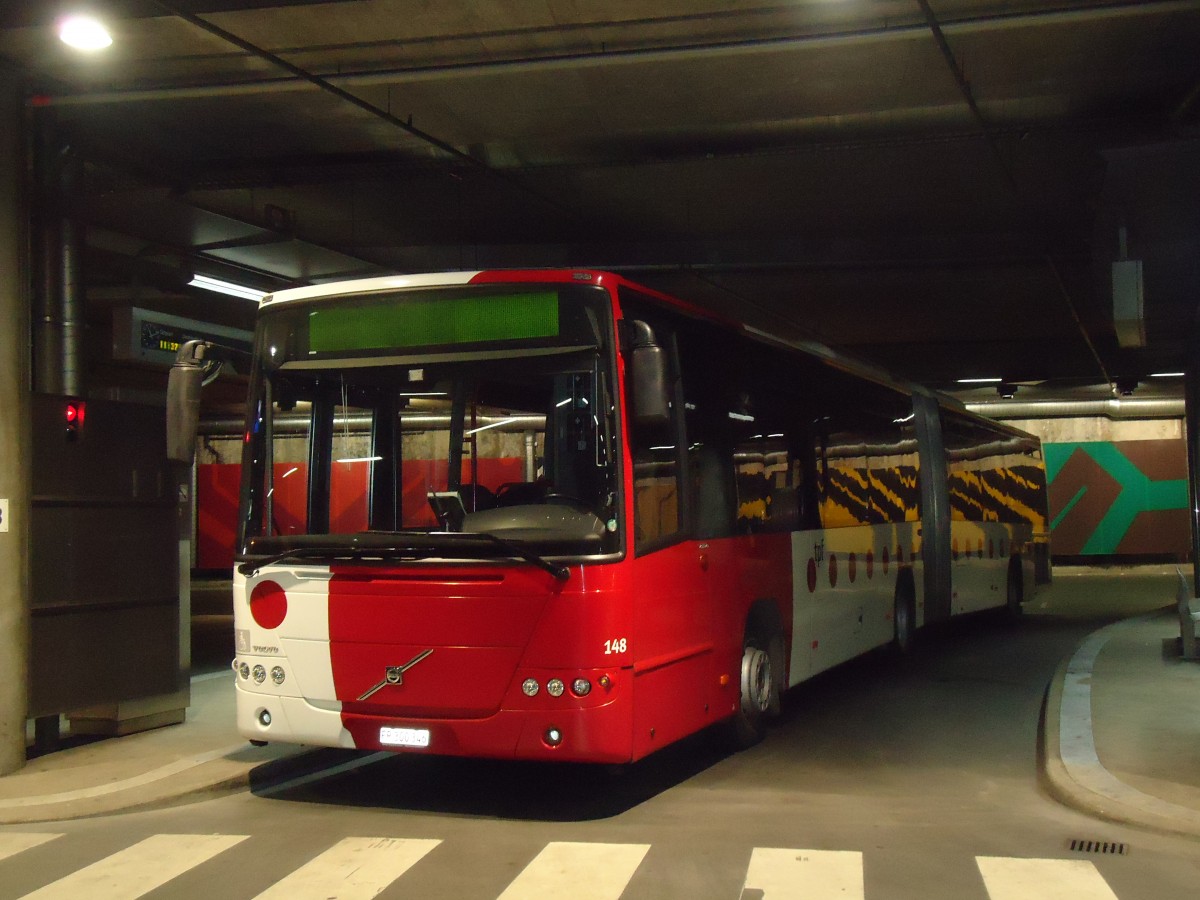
(756, 680)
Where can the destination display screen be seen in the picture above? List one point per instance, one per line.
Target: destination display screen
(407, 321)
(441, 321)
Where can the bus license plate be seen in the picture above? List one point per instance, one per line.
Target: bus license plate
(404, 737)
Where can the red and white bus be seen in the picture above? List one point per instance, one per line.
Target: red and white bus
(554, 515)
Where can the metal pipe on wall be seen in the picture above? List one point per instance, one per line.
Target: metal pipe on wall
(59, 300)
(47, 325)
(71, 293)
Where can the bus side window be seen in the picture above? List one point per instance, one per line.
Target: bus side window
(769, 479)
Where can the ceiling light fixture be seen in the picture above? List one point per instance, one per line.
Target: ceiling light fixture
(226, 287)
(84, 33)
(1167, 374)
(979, 380)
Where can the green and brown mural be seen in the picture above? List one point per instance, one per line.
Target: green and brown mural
(1119, 498)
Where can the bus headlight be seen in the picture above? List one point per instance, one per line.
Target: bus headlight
(529, 687)
(260, 674)
(555, 687)
(278, 675)
(581, 687)
(244, 671)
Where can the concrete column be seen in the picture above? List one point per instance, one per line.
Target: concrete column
(1192, 427)
(14, 434)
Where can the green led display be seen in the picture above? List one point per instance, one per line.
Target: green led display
(400, 322)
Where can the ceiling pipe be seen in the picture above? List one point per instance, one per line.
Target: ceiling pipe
(1125, 408)
(609, 56)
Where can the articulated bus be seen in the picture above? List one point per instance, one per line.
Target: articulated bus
(554, 515)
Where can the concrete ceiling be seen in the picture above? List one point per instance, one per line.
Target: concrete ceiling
(938, 186)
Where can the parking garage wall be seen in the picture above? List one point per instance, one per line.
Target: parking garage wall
(1117, 488)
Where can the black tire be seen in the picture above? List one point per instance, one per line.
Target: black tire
(1015, 591)
(904, 619)
(759, 692)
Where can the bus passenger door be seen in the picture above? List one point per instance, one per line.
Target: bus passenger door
(670, 577)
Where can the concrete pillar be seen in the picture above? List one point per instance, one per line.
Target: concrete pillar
(1192, 427)
(14, 434)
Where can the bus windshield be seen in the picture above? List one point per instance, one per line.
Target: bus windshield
(481, 411)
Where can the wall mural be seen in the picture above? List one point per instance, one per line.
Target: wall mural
(1119, 498)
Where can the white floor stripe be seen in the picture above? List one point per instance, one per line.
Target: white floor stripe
(805, 874)
(138, 869)
(578, 871)
(353, 868)
(14, 843)
(1042, 879)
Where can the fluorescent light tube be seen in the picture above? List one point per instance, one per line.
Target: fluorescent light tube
(226, 287)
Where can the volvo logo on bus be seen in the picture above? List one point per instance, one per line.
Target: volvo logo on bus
(395, 674)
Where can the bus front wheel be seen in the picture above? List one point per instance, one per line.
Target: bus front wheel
(759, 693)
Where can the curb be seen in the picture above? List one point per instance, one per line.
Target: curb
(1072, 770)
(183, 781)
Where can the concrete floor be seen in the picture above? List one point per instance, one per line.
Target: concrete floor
(908, 777)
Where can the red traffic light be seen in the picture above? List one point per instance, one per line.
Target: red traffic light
(76, 411)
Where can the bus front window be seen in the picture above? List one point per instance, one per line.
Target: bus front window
(519, 448)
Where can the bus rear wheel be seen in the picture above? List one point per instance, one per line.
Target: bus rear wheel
(1015, 594)
(904, 620)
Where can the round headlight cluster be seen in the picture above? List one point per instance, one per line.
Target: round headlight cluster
(556, 687)
(259, 672)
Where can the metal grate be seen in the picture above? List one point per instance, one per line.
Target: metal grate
(1111, 848)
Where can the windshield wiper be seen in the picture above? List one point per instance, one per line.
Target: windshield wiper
(385, 545)
(562, 573)
(251, 566)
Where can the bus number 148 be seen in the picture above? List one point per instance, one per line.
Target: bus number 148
(614, 646)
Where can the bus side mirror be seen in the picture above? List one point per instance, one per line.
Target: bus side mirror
(183, 402)
(649, 382)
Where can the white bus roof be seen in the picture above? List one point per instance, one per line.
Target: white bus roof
(369, 285)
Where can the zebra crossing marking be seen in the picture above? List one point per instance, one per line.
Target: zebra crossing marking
(353, 868)
(1007, 878)
(581, 871)
(14, 843)
(359, 868)
(781, 874)
(138, 869)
